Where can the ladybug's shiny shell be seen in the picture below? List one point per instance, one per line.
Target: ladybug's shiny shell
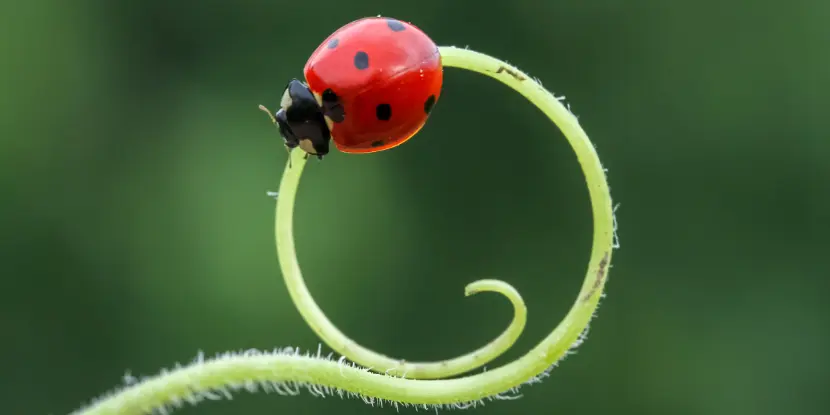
(376, 80)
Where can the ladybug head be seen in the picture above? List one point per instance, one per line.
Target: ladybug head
(301, 122)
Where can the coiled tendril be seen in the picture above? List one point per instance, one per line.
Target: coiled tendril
(286, 371)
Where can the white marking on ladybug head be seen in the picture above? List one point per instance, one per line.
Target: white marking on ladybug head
(286, 100)
(307, 146)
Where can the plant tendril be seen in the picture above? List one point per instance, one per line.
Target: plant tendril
(353, 351)
(287, 371)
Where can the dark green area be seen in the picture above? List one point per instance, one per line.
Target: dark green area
(136, 230)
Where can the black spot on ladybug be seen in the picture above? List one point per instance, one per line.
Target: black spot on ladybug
(332, 106)
(395, 25)
(333, 43)
(383, 112)
(361, 60)
(429, 104)
(377, 143)
(329, 96)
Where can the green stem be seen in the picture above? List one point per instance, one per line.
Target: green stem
(284, 371)
(345, 346)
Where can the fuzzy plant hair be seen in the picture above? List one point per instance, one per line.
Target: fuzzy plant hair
(359, 372)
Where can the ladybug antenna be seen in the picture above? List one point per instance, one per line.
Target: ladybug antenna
(274, 121)
(267, 111)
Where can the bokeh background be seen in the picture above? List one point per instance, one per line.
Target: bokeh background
(136, 231)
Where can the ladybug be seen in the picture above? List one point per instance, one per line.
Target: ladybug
(370, 86)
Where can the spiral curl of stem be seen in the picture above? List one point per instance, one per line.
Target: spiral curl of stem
(374, 377)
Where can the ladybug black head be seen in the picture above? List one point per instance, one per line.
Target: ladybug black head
(301, 122)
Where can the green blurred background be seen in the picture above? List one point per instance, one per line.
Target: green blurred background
(136, 230)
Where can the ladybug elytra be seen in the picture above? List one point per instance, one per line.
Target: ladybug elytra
(370, 86)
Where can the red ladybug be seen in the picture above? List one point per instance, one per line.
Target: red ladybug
(370, 87)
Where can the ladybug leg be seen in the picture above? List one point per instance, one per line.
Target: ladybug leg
(288, 149)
